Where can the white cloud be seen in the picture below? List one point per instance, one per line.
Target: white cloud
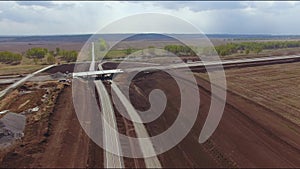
(67, 17)
(45, 4)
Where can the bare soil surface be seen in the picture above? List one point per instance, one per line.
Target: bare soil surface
(56, 139)
(272, 86)
(32, 145)
(3, 86)
(250, 133)
(68, 144)
(254, 136)
(61, 68)
(259, 127)
(188, 153)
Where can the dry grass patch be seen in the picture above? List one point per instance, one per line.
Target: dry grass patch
(19, 69)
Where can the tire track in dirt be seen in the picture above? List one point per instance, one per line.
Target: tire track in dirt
(68, 144)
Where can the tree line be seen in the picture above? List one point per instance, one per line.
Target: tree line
(40, 53)
(256, 47)
(180, 50)
(233, 47)
(9, 57)
(69, 56)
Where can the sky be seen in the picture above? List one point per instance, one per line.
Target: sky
(67, 17)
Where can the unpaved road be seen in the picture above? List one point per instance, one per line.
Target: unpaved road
(68, 144)
(146, 146)
(111, 138)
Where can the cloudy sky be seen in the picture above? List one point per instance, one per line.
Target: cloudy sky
(59, 17)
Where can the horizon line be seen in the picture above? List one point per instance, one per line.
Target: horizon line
(82, 34)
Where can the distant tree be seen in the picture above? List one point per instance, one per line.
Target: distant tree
(51, 59)
(257, 49)
(128, 51)
(69, 56)
(247, 51)
(57, 51)
(52, 52)
(36, 53)
(103, 45)
(180, 50)
(10, 58)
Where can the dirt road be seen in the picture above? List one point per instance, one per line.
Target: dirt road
(68, 144)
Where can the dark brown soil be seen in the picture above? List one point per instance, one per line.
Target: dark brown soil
(68, 144)
(3, 86)
(61, 68)
(26, 101)
(33, 144)
(247, 136)
(56, 140)
(189, 153)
